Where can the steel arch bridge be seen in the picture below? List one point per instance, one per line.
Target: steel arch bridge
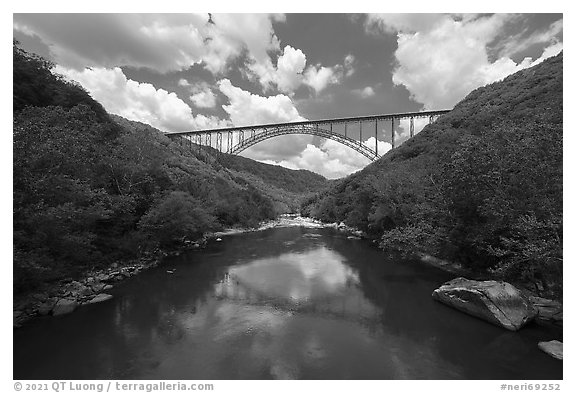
(349, 131)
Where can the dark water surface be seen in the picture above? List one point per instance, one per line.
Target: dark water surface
(282, 303)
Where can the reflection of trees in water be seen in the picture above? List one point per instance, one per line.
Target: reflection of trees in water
(402, 290)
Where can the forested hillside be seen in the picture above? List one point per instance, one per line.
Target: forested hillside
(482, 186)
(287, 188)
(90, 188)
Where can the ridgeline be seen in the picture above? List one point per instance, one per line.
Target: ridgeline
(481, 187)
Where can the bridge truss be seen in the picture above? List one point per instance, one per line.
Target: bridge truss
(350, 131)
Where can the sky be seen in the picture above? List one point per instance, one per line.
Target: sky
(181, 72)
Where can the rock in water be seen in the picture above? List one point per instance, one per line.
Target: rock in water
(45, 308)
(64, 306)
(552, 348)
(548, 311)
(101, 297)
(497, 302)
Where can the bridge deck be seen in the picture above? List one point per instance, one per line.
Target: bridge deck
(318, 122)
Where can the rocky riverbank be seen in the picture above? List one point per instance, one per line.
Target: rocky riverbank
(64, 296)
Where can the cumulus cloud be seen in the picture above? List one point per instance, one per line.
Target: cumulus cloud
(164, 42)
(319, 77)
(349, 62)
(202, 95)
(291, 72)
(320, 160)
(289, 69)
(287, 75)
(246, 108)
(231, 34)
(331, 159)
(139, 101)
(441, 58)
(366, 92)
(203, 98)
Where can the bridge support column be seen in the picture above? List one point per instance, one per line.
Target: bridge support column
(376, 136)
(219, 142)
(392, 133)
(360, 132)
(411, 127)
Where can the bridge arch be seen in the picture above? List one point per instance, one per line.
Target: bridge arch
(304, 129)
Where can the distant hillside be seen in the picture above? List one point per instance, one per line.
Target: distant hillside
(90, 188)
(481, 186)
(286, 187)
(297, 181)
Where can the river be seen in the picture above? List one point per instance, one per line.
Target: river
(291, 302)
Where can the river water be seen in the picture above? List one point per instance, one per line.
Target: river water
(289, 302)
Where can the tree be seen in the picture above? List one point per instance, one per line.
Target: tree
(177, 216)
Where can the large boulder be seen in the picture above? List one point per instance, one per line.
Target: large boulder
(64, 306)
(497, 302)
(101, 297)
